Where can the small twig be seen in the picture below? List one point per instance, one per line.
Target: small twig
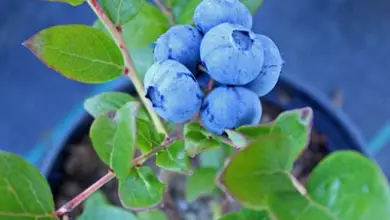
(69, 206)
(166, 11)
(142, 159)
(129, 70)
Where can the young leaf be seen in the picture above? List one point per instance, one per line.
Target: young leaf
(258, 171)
(351, 187)
(195, 141)
(145, 28)
(71, 2)
(25, 194)
(238, 139)
(185, 12)
(174, 158)
(124, 140)
(102, 133)
(106, 212)
(79, 52)
(252, 5)
(106, 102)
(122, 11)
(141, 189)
(154, 214)
(96, 199)
(201, 183)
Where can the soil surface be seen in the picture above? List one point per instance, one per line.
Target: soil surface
(80, 167)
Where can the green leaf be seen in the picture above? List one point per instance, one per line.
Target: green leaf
(195, 141)
(141, 189)
(25, 194)
(106, 102)
(294, 124)
(96, 199)
(201, 183)
(106, 212)
(258, 171)
(102, 133)
(124, 140)
(71, 2)
(122, 11)
(351, 187)
(147, 136)
(292, 205)
(185, 12)
(253, 132)
(145, 28)
(247, 214)
(154, 214)
(79, 52)
(213, 158)
(141, 50)
(174, 158)
(252, 5)
(232, 216)
(143, 59)
(238, 139)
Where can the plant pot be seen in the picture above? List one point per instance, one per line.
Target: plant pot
(332, 124)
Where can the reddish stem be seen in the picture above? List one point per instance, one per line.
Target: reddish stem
(128, 62)
(166, 11)
(69, 206)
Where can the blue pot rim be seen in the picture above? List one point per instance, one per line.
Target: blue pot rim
(49, 150)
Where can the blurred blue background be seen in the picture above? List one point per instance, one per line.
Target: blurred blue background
(339, 47)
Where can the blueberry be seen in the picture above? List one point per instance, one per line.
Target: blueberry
(180, 43)
(269, 75)
(232, 54)
(173, 91)
(229, 108)
(210, 13)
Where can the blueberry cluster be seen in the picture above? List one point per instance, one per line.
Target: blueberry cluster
(243, 64)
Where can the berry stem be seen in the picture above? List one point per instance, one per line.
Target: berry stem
(129, 69)
(166, 11)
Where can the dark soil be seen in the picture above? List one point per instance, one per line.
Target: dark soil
(81, 168)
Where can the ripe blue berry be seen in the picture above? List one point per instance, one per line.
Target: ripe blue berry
(173, 91)
(229, 108)
(180, 43)
(269, 75)
(232, 54)
(210, 13)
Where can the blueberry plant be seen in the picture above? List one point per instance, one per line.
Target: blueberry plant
(198, 70)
